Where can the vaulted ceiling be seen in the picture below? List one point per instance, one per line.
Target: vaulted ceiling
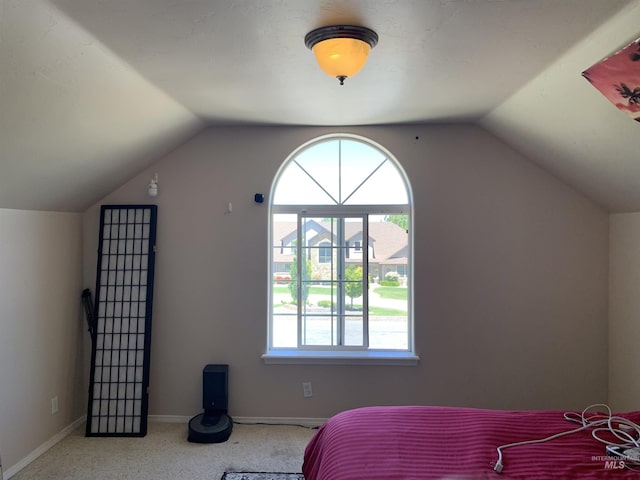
(93, 91)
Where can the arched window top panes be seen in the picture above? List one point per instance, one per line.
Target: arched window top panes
(340, 171)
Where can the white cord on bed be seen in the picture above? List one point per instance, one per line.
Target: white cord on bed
(596, 422)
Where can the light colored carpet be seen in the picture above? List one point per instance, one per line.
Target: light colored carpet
(165, 454)
(262, 476)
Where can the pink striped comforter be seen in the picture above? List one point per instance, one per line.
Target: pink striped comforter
(420, 443)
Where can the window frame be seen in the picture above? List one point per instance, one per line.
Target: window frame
(330, 354)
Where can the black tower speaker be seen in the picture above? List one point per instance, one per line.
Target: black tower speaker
(214, 425)
(215, 388)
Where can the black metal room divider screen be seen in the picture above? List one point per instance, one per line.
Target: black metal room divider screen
(118, 391)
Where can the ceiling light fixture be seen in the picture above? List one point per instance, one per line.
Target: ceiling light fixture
(341, 50)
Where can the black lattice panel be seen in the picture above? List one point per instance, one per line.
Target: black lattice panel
(118, 392)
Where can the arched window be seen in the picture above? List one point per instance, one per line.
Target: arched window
(340, 217)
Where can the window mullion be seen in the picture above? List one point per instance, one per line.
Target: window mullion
(340, 202)
(365, 281)
(364, 181)
(340, 242)
(299, 255)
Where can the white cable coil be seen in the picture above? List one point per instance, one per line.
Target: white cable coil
(624, 430)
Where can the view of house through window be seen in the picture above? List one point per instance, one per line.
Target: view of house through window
(340, 250)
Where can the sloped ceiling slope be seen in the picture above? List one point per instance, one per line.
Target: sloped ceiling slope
(565, 125)
(93, 91)
(75, 119)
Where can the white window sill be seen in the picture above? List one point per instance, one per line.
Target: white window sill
(311, 357)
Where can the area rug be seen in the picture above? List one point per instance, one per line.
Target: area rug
(261, 476)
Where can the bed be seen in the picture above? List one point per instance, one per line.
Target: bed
(426, 442)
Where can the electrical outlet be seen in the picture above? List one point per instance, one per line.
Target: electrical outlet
(54, 405)
(306, 389)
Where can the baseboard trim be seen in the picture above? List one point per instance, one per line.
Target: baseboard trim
(303, 421)
(11, 471)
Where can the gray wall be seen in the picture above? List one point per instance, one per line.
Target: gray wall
(41, 329)
(511, 272)
(624, 312)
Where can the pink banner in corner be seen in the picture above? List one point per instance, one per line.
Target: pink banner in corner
(618, 78)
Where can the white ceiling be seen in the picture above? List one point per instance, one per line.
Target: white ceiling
(93, 91)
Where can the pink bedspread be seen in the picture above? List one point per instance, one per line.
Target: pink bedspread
(420, 443)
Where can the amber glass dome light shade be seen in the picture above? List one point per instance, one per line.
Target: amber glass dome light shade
(341, 50)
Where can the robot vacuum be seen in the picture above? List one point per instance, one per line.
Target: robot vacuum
(214, 425)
